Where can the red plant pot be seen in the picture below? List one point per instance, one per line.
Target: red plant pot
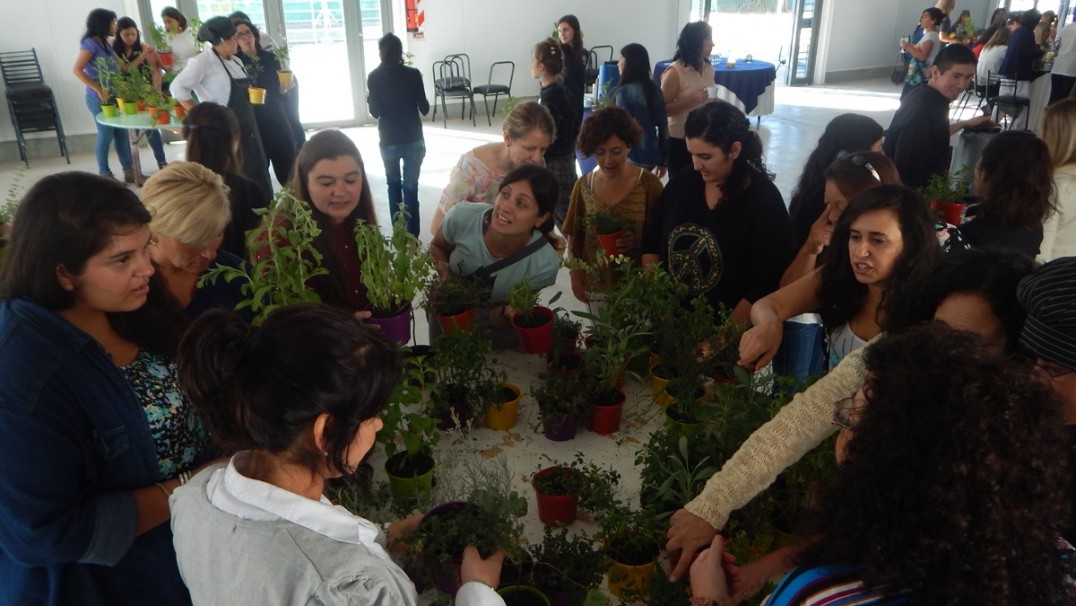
(537, 339)
(556, 510)
(605, 418)
(461, 321)
(167, 60)
(952, 212)
(608, 243)
(163, 117)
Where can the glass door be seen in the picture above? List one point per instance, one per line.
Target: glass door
(804, 41)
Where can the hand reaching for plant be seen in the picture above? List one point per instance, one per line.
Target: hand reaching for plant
(398, 531)
(474, 568)
(687, 534)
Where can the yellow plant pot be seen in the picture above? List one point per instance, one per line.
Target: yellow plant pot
(120, 103)
(285, 76)
(623, 577)
(504, 417)
(658, 385)
(256, 95)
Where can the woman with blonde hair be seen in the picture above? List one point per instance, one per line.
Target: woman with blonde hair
(1059, 133)
(190, 213)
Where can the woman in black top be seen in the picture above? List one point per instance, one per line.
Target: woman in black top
(135, 55)
(396, 99)
(722, 228)
(547, 65)
(273, 123)
(575, 58)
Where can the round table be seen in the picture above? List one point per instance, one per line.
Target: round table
(748, 85)
(136, 126)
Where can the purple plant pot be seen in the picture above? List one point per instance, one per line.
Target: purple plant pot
(563, 430)
(395, 328)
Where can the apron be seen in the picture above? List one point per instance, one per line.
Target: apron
(255, 165)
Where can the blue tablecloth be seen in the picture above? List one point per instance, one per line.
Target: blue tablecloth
(746, 80)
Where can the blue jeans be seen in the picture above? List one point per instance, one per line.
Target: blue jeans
(403, 188)
(800, 355)
(105, 136)
(153, 137)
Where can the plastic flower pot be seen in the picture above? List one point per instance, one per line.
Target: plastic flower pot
(410, 478)
(951, 212)
(396, 328)
(285, 77)
(167, 60)
(624, 577)
(562, 428)
(130, 108)
(536, 336)
(142, 106)
(503, 418)
(163, 117)
(180, 111)
(152, 109)
(256, 95)
(607, 409)
(608, 242)
(658, 382)
(120, 103)
(523, 595)
(555, 510)
(110, 111)
(461, 321)
(446, 577)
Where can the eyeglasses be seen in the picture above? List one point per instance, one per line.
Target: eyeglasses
(245, 35)
(846, 412)
(859, 161)
(1054, 370)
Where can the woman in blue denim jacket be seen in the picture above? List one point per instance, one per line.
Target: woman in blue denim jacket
(638, 94)
(96, 435)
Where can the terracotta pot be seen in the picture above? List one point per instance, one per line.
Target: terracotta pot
(142, 105)
(180, 111)
(167, 60)
(163, 117)
(461, 321)
(152, 109)
(608, 242)
(952, 212)
(539, 339)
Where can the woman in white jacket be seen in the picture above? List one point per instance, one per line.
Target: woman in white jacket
(1059, 133)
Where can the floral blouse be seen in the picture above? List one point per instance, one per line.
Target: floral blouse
(470, 181)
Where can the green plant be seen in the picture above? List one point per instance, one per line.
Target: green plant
(568, 563)
(13, 196)
(159, 36)
(394, 268)
(560, 394)
(283, 55)
(631, 537)
(155, 98)
(594, 485)
(523, 299)
(951, 188)
(606, 222)
(106, 78)
(406, 428)
(684, 474)
(130, 85)
(408, 59)
(463, 375)
(285, 258)
(454, 294)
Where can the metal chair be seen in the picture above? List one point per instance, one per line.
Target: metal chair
(30, 101)
(452, 78)
(1011, 105)
(594, 64)
(495, 89)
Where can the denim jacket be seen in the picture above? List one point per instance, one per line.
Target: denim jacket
(76, 444)
(653, 148)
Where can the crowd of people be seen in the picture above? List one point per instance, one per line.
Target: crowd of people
(164, 420)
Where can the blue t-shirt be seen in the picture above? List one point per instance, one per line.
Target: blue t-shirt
(97, 50)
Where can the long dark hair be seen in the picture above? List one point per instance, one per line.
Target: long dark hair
(637, 69)
(118, 44)
(577, 37)
(721, 124)
(211, 131)
(1019, 179)
(99, 24)
(390, 50)
(65, 219)
(689, 44)
(840, 293)
(955, 481)
(846, 132)
(262, 388)
(544, 185)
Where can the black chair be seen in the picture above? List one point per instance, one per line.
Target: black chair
(978, 89)
(452, 79)
(1011, 105)
(594, 64)
(495, 89)
(30, 101)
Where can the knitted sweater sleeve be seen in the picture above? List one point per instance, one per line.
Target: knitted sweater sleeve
(797, 428)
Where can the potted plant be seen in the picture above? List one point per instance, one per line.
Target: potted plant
(563, 399)
(163, 46)
(158, 106)
(106, 79)
(128, 89)
(608, 227)
(606, 361)
(632, 540)
(947, 195)
(566, 566)
(533, 323)
(502, 413)
(409, 437)
(253, 69)
(10, 205)
(564, 355)
(564, 487)
(453, 299)
(283, 57)
(465, 384)
(394, 269)
(285, 258)
(674, 470)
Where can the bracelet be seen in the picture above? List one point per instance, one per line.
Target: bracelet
(184, 477)
(164, 489)
(704, 602)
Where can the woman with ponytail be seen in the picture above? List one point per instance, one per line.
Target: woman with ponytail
(299, 399)
(547, 66)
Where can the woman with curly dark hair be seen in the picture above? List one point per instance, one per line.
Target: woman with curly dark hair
(951, 491)
(617, 187)
(884, 241)
(684, 84)
(723, 229)
(1014, 178)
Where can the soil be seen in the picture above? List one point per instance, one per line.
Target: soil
(403, 466)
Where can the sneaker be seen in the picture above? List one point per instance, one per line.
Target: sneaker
(108, 175)
(128, 176)
(162, 164)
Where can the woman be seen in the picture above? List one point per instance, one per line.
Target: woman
(133, 54)
(997, 21)
(684, 84)
(396, 99)
(212, 135)
(330, 176)
(300, 399)
(945, 24)
(1014, 178)
(991, 56)
(191, 212)
(966, 449)
(1063, 72)
(885, 241)
(1059, 134)
(218, 77)
(723, 229)
(617, 187)
(923, 52)
(575, 59)
(274, 127)
(1046, 30)
(179, 38)
(845, 133)
(474, 237)
(637, 94)
(963, 29)
(802, 354)
(89, 401)
(970, 290)
(95, 53)
(1022, 53)
(546, 66)
(527, 129)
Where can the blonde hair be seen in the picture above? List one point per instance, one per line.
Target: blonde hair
(1000, 38)
(1059, 131)
(946, 6)
(188, 202)
(526, 117)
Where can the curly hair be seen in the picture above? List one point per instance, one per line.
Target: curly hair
(689, 44)
(840, 293)
(606, 123)
(550, 55)
(1018, 179)
(721, 124)
(954, 483)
